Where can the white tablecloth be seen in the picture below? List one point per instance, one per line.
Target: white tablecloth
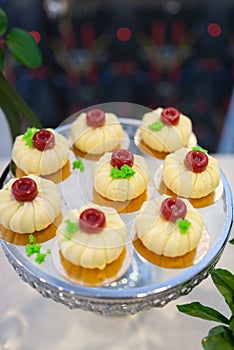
(30, 322)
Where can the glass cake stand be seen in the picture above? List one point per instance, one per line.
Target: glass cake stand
(144, 285)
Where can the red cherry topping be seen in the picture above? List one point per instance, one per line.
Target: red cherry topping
(170, 116)
(95, 118)
(173, 209)
(196, 161)
(24, 189)
(43, 140)
(92, 220)
(121, 157)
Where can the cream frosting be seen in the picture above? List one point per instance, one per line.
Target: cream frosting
(169, 138)
(164, 237)
(33, 161)
(28, 217)
(183, 182)
(120, 189)
(93, 250)
(96, 140)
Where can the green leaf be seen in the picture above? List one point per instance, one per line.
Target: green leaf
(218, 339)
(224, 281)
(196, 309)
(231, 241)
(3, 22)
(12, 101)
(231, 326)
(11, 114)
(217, 330)
(1, 59)
(23, 47)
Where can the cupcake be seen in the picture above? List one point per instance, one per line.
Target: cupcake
(169, 226)
(92, 236)
(165, 130)
(41, 152)
(191, 173)
(121, 175)
(96, 132)
(29, 205)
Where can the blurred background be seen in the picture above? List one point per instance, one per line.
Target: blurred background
(153, 53)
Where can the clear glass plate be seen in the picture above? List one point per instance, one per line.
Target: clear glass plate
(144, 285)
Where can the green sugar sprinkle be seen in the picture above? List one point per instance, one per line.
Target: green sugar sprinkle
(198, 148)
(156, 126)
(183, 225)
(124, 173)
(28, 136)
(35, 248)
(78, 164)
(71, 227)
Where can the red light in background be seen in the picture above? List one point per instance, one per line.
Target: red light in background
(123, 34)
(214, 29)
(36, 35)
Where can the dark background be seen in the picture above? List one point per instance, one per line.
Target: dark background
(173, 53)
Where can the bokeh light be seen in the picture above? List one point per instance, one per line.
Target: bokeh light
(123, 34)
(214, 29)
(36, 35)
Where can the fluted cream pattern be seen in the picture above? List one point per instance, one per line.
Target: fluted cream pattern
(164, 237)
(184, 182)
(28, 217)
(93, 250)
(120, 189)
(169, 138)
(33, 161)
(96, 140)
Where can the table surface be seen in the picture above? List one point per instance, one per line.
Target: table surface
(30, 322)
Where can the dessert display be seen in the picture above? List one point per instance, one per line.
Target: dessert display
(127, 212)
(92, 242)
(169, 227)
(29, 205)
(165, 130)
(121, 176)
(191, 173)
(96, 132)
(43, 153)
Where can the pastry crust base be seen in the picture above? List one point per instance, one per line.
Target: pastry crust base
(196, 202)
(91, 277)
(121, 207)
(165, 261)
(23, 239)
(144, 148)
(56, 177)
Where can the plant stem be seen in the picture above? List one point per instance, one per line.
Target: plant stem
(18, 103)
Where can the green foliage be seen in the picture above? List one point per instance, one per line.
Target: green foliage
(220, 337)
(22, 46)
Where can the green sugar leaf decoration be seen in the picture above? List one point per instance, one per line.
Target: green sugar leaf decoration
(183, 225)
(40, 257)
(198, 148)
(71, 227)
(28, 136)
(78, 164)
(35, 248)
(124, 173)
(156, 126)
